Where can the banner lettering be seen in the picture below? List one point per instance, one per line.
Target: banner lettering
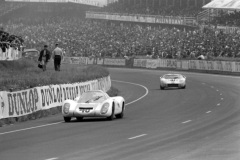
(114, 62)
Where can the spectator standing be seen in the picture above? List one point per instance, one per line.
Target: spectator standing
(57, 57)
(44, 57)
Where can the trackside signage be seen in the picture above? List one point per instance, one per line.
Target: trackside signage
(140, 63)
(20, 103)
(15, 104)
(114, 62)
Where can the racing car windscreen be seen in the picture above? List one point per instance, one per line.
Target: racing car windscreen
(172, 76)
(90, 96)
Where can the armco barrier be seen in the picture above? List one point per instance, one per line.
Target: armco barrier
(21, 103)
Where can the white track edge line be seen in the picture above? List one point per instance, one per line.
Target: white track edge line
(146, 89)
(137, 136)
(54, 158)
(187, 121)
(30, 128)
(24, 129)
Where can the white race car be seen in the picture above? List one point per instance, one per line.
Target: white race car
(172, 80)
(93, 104)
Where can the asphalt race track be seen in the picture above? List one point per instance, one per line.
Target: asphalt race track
(201, 122)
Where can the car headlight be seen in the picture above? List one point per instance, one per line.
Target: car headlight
(163, 80)
(66, 108)
(181, 80)
(105, 108)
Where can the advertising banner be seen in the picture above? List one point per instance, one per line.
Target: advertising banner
(169, 20)
(175, 20)
(103, 84)
(162, 63)
(152, 63)
(192, 64)
(236, 66)
(83, 60)
(201, 65)
(179, 64)
(20, 103)
(171, 63)
(227, 66)
(75, 60)
(185, 64)
(140, 63)
(218, 65)
(67, 60)
(114, 62)
(90, 61)
(3, 104)
(53, 96)
(210, 65)
(129, 62)
(100, 61)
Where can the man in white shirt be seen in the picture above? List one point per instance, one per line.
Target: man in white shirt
(57, 55)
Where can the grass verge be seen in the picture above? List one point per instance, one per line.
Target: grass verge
(24, 74)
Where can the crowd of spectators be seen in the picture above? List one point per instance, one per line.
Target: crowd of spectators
(6, 7)
(153, 8)
(81, 37)
(7, 40)
(231, 19)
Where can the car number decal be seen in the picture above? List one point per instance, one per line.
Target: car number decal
(85, 110)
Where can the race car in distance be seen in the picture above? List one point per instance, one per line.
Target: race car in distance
(93, 104)
(172, 80)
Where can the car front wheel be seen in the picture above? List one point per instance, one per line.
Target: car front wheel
(110, 118)
(122, 113)
(79, 119)
(67, 119)
(162, 88)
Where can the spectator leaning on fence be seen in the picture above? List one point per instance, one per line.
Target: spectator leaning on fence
(57, 57)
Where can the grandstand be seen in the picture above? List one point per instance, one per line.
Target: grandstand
(48, 23)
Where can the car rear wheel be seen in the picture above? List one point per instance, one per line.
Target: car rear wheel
(67, 119)
(122, 113)
(162, 88)
(79, 119)
(110, 118)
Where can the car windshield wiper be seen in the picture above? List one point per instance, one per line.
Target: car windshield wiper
(94, 99)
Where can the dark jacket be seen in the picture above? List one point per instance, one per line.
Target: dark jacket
(48, 55)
